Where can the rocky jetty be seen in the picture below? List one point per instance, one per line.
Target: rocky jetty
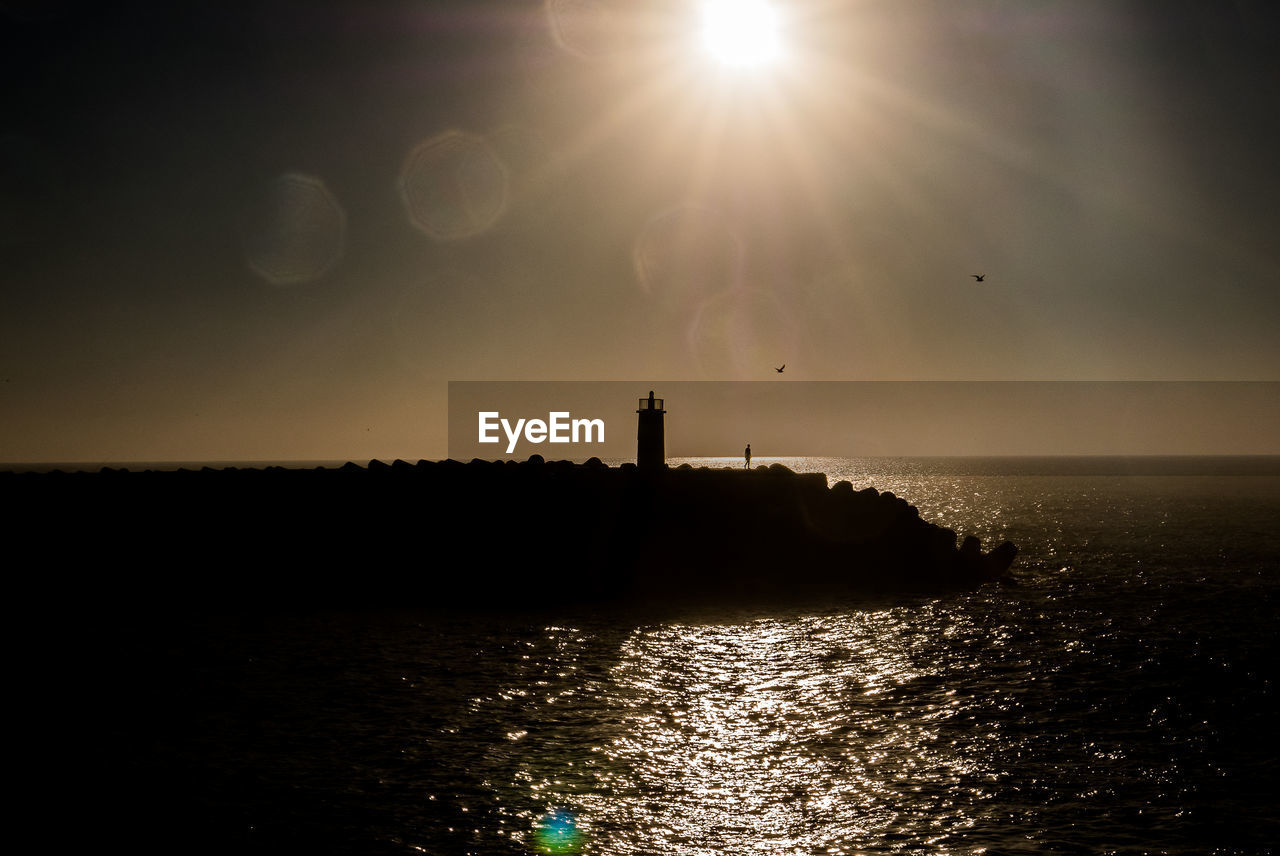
(440, 533)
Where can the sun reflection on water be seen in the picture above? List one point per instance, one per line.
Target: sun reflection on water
(770, 736)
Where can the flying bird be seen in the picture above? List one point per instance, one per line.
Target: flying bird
(978, 276)
(779, 370)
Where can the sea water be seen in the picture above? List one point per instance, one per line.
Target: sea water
(1118, 697)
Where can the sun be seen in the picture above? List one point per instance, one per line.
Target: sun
(741, 33)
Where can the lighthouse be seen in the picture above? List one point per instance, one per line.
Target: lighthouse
(651, 441)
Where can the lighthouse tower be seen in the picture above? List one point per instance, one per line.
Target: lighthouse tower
(651, 441)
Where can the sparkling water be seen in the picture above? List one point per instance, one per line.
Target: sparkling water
(1118, 697)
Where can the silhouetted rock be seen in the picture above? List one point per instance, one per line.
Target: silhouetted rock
(996, 564)
(489, 531)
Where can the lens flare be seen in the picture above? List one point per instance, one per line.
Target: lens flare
(558, 832)
(736, 334)
(454, 186)
(297, 232)
(585, 28)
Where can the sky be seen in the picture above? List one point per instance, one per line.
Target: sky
(276, 231)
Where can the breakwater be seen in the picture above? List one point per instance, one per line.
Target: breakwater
(445, 532)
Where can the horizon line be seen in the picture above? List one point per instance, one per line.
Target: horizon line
(313, 463)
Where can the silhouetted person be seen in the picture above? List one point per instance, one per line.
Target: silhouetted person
(747, 455)
(650, 399)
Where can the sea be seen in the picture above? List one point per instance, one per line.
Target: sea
(1117, 695)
